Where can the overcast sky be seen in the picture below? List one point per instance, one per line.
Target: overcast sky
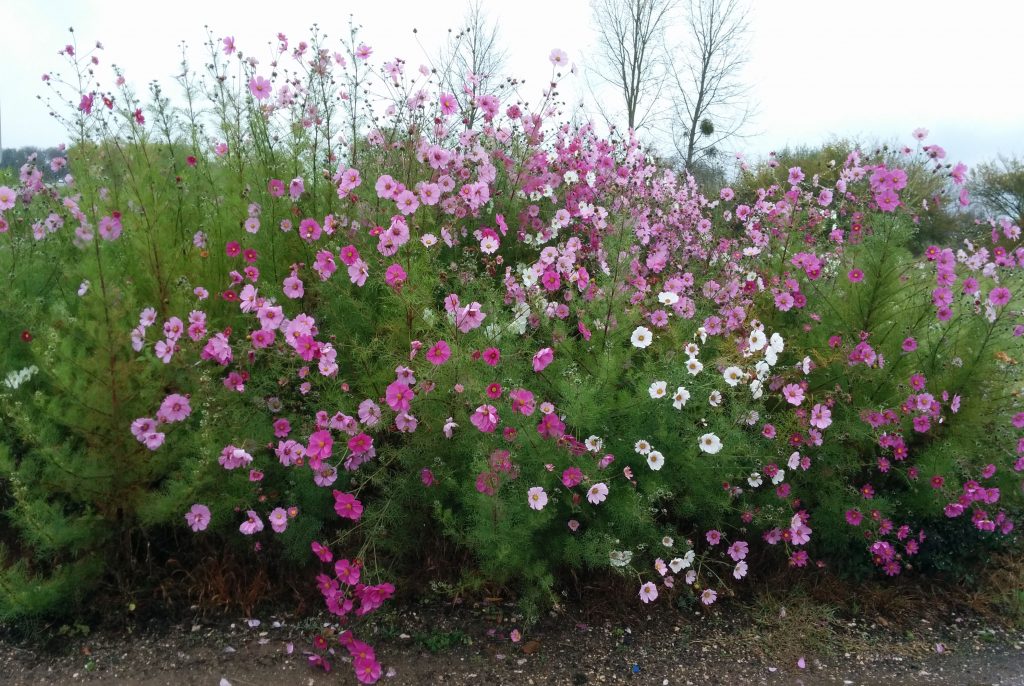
(872, 69)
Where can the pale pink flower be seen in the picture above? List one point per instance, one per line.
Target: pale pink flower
(198, 517)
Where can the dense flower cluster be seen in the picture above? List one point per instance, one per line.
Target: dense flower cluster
(493, 285)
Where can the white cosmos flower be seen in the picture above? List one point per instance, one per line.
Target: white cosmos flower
(754, 479)
(779, 477)
(692, 349)
(762, 369)
(594, 444)
(668, 298)
(770, 356)
(757, 340)
(733, 375)
(756, 389)
(694, 366)
(714, 398)
(655, 460)
(703, 333)
(520, 318)
(776, 343)
(642, 447)
(641, 337)
(658, 389)
(710, 443)
(806, 365)
(680, 397)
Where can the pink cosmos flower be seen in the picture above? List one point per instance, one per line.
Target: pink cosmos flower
(485, 418)
(296, 187)
(572, 477)
(794, 393)
(491, 356)
(395, 276)
(174, 408)
(597, 493)
(369, 412)
(537, 498)
(558, 57)
(427, 477)
(293, 287)
(999, 296)
(713, 537)
(542, 359)
(399, 396)
(439, 353)
(259, 87)
(347, 506)
(153, 440)
(738, 550)
(887, 200)
(708, 596)
(447, 103)
(821, 417)
(855, 275)
(648, 592)
(278, 519)
(522, 401)
(470, 317)
(198, 517)
(358, 271)
(7, 198)
(407, 202)
(252, 525)
(321, 445)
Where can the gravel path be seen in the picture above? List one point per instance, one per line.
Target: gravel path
(442, 645)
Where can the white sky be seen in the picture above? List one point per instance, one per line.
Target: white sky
(867, 68)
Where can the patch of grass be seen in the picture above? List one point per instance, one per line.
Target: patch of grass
(1000, 595)
(788, 626)
(438, 641)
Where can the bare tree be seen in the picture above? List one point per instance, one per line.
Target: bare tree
(709, 100)
(472, 59)
(631, 57)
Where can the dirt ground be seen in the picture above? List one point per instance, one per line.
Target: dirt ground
(444, 644)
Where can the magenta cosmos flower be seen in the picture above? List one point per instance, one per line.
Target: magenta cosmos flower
(999, 296)
(542, 359)
(347, 506)
(439, 353)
